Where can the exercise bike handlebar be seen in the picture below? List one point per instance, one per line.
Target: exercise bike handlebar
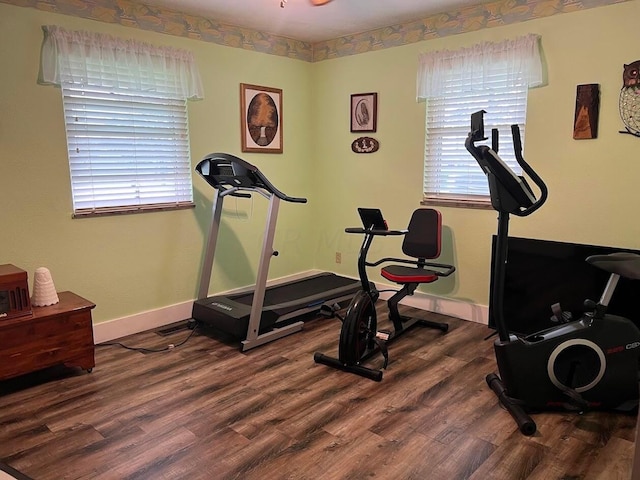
(544, 192)
(228, 173)
(510, 193)
(369, 234)
(445, 269)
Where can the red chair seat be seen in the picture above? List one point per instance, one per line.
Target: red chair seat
(401, 274)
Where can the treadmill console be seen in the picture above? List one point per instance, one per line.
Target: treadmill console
(224, 170)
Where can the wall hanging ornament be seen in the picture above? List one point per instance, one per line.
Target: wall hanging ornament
(365, 145)
(585, 120)
(630, 99)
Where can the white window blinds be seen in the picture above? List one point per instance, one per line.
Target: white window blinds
(126, 119)
(494, 77)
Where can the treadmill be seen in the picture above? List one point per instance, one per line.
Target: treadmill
(260, 314)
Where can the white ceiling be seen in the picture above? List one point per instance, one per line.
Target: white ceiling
(301, 20)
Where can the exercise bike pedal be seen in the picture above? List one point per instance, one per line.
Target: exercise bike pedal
(381, 343)
(330, 311)
(559, 315)
(383, 335)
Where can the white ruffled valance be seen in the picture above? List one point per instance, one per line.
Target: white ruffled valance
(518, 59)
(85, 58)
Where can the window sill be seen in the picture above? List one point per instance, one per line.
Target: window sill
(478, 204)
(158, 207)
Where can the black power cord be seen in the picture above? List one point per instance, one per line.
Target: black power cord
(171, 346)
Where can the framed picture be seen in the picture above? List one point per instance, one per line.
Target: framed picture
(261, 118)
(585, 122)
(364, 112)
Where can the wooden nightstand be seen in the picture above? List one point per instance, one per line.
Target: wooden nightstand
(57, 334)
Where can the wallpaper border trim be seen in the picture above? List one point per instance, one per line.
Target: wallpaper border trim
(171, 22)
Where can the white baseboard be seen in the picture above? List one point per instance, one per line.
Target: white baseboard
(446, 306)
(140, 322)
(159, 317)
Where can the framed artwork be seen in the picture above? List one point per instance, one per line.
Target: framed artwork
(585, 120)
(364, 112)
(261, 118)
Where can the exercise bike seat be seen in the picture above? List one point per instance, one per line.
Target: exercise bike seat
(401, 274)
(625, 264)
(422, 242)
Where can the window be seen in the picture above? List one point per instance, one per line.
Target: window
(125, 111)
(494, 77)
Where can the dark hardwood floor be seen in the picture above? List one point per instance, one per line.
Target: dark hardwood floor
(204, 410)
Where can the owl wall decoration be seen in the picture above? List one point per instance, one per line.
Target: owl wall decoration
(630, 99)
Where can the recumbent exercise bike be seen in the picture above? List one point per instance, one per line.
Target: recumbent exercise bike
(589, 363)
(359, 336)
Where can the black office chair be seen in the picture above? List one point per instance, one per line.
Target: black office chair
(422, 242)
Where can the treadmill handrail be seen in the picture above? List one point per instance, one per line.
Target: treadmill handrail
(223, 171)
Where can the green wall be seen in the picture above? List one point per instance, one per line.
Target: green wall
(134, 263)
(593, 194)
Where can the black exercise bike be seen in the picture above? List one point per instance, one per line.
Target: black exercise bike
(360, 338)
(589, 363)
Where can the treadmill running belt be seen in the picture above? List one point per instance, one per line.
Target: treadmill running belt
(299, 289)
